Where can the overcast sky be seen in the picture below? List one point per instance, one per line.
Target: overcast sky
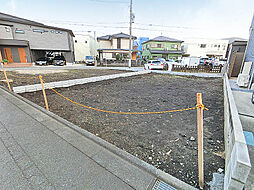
(180, 19)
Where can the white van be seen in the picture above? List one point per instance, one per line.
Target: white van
(190, 61)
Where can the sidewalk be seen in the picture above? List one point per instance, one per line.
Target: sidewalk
(39, 150)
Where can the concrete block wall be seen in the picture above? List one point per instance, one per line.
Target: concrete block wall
(67, 83)
(237, 161)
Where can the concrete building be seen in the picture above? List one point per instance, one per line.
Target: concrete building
(24, 41)
(162, 47)
(205, 47)
(84, 45)
(111, 45)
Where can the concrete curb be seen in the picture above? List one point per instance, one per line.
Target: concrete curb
(68, 83)
(237, 162)
(176, 183)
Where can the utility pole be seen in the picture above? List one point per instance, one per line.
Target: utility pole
(130, 37)
(95, 50)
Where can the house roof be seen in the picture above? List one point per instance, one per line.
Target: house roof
(118, 35)
(11, 18)
(163, 39)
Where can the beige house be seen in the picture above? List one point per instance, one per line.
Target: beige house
(111, 45)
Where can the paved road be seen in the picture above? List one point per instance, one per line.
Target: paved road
(39, 151)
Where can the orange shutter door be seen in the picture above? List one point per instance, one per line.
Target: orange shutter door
(1, 58)
(22, 55)
(8, 55)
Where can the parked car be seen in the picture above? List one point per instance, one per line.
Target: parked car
(59, 61)
(173, 62)
(169, 64)
(154, 64)
(252, 98)
(89, 60)
(42, 61)
(205, 61)
(220, 62)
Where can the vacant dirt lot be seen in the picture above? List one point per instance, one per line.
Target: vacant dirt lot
(54, 75)
(167, 141)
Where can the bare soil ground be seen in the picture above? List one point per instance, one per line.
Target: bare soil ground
(53, 75)
(167, 141)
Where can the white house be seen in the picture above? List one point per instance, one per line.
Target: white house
(205, 47)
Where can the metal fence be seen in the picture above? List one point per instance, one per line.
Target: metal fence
(199, 68)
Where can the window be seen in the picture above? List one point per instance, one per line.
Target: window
(38, 30)
(58, 32)
(86, 42)
(215, 45)
(202, 45)
(19, 31)
(52, 31)
(153, 45)
(7, 29)
(174, 46)
(118, 43)
(76, 41)
(158, 45)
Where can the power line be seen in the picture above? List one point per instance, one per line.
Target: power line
(113, 23)
(108, 1)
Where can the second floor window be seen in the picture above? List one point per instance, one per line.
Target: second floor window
(38, 30)
(202, 45)
(19, 31)
(118, 43)
(174, 46)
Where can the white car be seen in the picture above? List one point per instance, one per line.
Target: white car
(154, 64)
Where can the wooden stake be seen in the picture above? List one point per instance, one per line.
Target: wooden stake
(200, 141)
(6, 78)
(44, 93)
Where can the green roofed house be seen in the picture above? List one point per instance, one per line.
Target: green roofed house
(162, 47)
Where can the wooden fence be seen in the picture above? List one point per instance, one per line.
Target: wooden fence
(196, 69)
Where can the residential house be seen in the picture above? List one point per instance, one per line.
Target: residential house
(111, 45)
(162, 47)
(23, 40)
(205, 48)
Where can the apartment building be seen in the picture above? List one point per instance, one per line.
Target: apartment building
(205, 47)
